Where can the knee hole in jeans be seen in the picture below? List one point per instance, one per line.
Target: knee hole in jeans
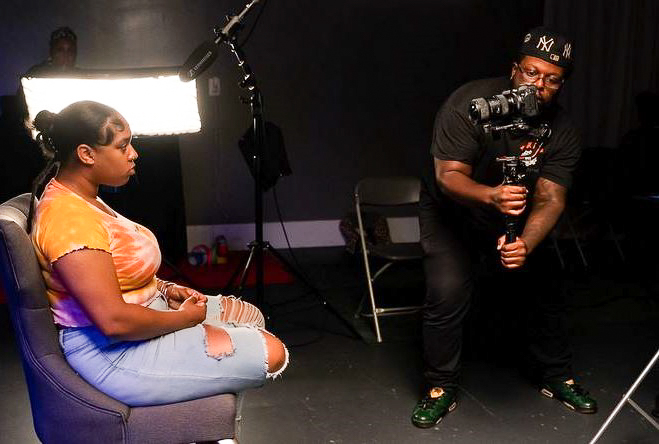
(276, 355)
(218, 342)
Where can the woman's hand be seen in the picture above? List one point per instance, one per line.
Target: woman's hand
(194, 307)
(176, 294)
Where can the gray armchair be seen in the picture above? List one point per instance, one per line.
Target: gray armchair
(65, 408)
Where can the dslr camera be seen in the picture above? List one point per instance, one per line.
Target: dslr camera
(510, 111)
(506, 110)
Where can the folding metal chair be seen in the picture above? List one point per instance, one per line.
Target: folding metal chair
(387, 194)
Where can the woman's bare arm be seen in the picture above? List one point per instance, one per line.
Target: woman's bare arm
(89, 275)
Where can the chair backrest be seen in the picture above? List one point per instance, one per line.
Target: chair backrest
(23, 280)
(385, 191)
(58, 396)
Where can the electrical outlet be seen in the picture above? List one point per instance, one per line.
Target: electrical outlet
(214, 86)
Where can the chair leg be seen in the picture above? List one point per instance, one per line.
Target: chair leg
(558, 252)
(576, 240)
(614, 238)
(369, 281)
(360, 306)
(381, 270)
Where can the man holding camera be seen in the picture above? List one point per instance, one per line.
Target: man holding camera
(462, 220)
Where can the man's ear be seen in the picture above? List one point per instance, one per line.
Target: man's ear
(513, 70)
(86, 154)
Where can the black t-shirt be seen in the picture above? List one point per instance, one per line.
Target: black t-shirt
(456, 138)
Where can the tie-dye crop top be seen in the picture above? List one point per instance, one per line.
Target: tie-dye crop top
(65, 222)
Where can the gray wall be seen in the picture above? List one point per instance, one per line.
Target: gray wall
(617, 57)
(354, 84)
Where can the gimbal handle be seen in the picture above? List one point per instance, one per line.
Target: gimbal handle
(512, 175)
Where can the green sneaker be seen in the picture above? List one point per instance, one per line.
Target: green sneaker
(432, 408)
(571, 394)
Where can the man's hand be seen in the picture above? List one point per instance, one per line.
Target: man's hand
(513, 255)
(509, 199)
(176, 294)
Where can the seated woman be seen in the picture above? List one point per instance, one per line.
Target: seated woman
(138, 339)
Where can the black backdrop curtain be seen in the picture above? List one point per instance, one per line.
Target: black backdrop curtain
(616, 56)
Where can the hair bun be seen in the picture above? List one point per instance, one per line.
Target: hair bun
(44, 122)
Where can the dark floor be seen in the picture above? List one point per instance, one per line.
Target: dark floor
(339, 389)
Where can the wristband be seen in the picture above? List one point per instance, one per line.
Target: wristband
(163, 286)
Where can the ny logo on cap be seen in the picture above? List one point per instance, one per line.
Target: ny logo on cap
(567, 49)
(546, 44)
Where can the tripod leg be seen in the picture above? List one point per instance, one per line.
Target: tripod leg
(289, 267)
(243, 277)
(314, 290)
(244, 267)
(576, 240)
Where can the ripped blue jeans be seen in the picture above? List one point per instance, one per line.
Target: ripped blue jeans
(169, 368)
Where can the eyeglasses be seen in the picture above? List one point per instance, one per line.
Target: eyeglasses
(550, 81)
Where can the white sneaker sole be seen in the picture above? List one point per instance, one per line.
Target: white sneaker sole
(549, 394)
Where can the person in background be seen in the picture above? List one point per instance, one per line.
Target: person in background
(62, 54)
(16, 177)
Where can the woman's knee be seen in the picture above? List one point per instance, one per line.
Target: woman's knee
(277, 354)
(218, 341)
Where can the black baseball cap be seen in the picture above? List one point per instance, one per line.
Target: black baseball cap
(548, 45)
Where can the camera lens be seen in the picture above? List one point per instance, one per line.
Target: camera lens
(508, 104)
(479, 110)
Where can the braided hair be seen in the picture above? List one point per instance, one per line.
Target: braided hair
(60, 134)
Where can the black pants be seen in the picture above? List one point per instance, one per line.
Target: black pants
(456, 257)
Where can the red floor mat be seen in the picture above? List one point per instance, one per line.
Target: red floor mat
(217, 276)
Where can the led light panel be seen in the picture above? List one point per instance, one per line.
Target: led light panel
(155, 105)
